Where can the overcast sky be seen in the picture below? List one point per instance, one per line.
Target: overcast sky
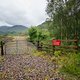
(22, 12)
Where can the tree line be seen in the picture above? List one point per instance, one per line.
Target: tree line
(63, 22)
(65, 17)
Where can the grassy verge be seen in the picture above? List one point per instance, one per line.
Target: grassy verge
(68, 63)
(42, 54)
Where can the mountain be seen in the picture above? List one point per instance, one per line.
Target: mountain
(12, 29)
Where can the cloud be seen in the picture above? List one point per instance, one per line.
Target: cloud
(22, 12)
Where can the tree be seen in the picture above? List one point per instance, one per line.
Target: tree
(65, 17)
(37, 35)
(32, 33)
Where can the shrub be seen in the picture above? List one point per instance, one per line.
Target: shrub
(71, 65)
(57, 53)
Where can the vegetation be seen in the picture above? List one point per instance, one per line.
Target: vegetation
(65, 17)
(38, 34)
(63, 23)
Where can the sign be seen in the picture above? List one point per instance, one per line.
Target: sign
(56, 42)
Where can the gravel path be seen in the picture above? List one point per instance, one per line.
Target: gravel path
(25, 66)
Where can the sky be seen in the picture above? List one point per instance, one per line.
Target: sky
(22, 12)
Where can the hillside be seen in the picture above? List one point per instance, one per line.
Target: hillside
(13, 29)
(44, 25)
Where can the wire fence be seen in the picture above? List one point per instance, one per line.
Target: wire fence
(17, 47)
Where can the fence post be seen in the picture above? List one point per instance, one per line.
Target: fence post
(38, 45)
(2, 51)
(76, 42)
(53, 49)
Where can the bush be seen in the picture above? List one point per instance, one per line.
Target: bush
(57, 53)
(71, 65)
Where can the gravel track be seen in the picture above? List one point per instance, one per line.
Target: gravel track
(22, 65)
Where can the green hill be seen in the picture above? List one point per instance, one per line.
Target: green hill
(12, 29)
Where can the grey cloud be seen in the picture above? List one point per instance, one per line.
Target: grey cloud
(24, 12)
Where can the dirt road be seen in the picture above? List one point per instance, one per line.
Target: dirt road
(20, 64)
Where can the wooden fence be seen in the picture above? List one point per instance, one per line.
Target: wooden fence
(50, 48)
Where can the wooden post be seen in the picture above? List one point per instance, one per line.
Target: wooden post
(2, 51)
(76, 42)
(53, 49)
(66, 38)
(38, 45)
